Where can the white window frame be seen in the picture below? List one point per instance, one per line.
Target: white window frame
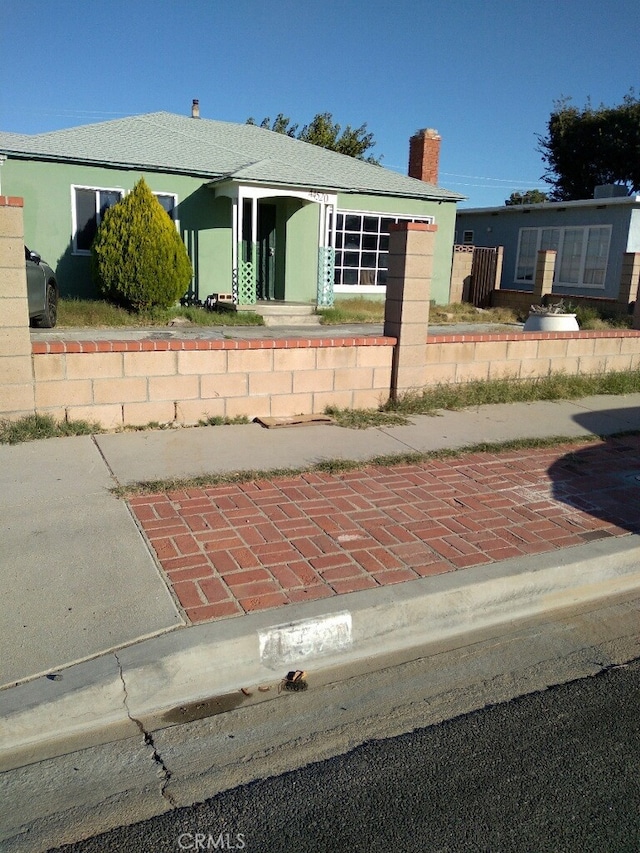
(467, 238)
(547, 243)
(396, 217)
(74, 217)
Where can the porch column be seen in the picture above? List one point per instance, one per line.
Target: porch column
(245, 270)
(326, 256)
(406, 309)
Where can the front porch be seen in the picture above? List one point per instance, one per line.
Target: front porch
(282, 244)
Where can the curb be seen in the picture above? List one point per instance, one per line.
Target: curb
(194, 673)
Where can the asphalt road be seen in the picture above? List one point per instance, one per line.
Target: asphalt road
(551, 771)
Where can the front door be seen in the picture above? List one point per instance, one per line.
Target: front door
(266, 272)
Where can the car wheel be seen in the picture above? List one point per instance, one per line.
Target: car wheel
(50, 316)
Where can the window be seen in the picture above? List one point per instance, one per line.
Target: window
(362, 247)
(88, 208)
(467, 238)
(169, 203)
(582, 254)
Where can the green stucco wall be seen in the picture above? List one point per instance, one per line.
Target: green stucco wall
(301, 251)
(46, 189)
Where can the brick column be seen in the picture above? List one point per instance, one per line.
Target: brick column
(406, 311)
(17, 394)
(543, 281)
(629, 279)
(499, 263)
(460, 273)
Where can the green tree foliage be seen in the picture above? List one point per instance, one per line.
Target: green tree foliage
(324, 132)
(530, 197)
(138, 259)
(587, 147)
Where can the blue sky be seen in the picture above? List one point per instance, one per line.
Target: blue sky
(484, 73)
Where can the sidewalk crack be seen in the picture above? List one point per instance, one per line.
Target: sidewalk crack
(148, 739)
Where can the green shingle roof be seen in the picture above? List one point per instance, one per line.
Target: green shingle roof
(215, 150)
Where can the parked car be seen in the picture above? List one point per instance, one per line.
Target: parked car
(42, 290)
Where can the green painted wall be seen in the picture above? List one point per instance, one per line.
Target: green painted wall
(444, 214)
(302, 251)
(46, 189)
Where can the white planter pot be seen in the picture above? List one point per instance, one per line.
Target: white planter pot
(551, 323)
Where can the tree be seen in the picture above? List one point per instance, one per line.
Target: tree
(324, 132)
(530, 197)
(138, 259)
(587, 147)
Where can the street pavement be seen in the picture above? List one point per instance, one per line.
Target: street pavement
(102, 594)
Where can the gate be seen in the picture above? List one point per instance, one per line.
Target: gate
(484, 272)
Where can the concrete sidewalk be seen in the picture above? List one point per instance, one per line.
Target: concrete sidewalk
(87, 585)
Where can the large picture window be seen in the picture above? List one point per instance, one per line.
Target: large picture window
(362, 247)
(89, 206)
(582, 254)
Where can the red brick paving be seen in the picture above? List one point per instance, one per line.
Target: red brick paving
(233, 549)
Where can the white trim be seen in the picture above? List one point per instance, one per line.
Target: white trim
(234, 189)
(379, 289)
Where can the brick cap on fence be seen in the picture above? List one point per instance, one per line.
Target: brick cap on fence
(412, 226)
(88, 346)
(11, 201)
(55, 347)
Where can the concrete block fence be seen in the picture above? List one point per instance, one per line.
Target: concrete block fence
(117, 383)
(138, 382)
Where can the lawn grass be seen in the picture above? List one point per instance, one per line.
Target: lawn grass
(98, 314)
(361, 310)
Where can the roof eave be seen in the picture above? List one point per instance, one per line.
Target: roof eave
(105, 164)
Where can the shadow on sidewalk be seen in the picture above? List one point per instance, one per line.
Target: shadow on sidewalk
(603, 480)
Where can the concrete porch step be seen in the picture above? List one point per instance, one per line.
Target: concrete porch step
(284, 313)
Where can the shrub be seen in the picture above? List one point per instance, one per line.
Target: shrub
(138, 259)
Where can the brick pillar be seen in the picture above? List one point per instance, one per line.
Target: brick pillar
(17, 392)
(424, 155)
(543, 281)
(460, 273)
(629, 279)
(499, 262)
(406, 310)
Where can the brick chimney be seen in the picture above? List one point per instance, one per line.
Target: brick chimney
(195, 109)
(424, 154)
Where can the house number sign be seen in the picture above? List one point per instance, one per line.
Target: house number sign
(321, 198)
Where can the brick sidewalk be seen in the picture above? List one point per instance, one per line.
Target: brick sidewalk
(229, 550)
